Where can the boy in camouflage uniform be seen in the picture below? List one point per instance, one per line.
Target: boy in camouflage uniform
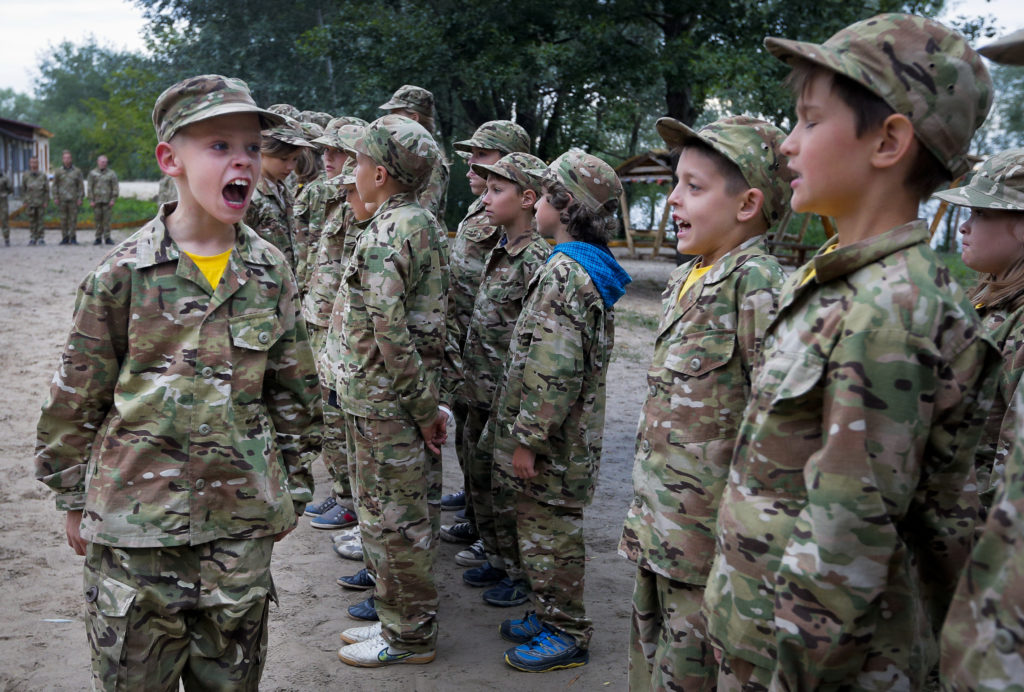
(386, 346)
(103, 191)
(548, 415)
(68, 193)
(982, 641)
(181, 422)
(849, 507)
(474, 239)
(5, 191)
(520, 252)
(733, 187)
(35, 195)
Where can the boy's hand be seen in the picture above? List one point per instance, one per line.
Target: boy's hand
(523, 462)
(72, 526)
(435, 434)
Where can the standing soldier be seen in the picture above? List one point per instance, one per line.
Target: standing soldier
(35, 194)
(5, 190)
(68, 192)
(103, 191)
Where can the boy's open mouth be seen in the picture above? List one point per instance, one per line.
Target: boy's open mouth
(234, 192)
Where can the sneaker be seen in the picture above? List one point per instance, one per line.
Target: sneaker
(41, 242)
(522, 630)
(453, 501)
(473, 556)
(108, 241)
(352, 550)
(463, 532)
(64, 241)
(364, 610)
(97, 242)
(31, 242)
(74, 241)
(484, 575)
(376, 652)
(547, 651)
(346, 535)
(461, 515)
(361, 580)
(315, 509)
(508, 593)
(337, 518)
(354, 635)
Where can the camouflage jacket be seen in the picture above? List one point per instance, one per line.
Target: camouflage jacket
(698, 384)
(270, 215)
(552, 394)
(167, 192)
(434, 195)
(315, 202)
(983, 637)
(1007, 330)
(5, 187)
(850, 504)
(103, 186)
(177, 417)
(68, 185)
(473, 241)
(499, 302)
(35, 189)
(387, 334)
(332, 256)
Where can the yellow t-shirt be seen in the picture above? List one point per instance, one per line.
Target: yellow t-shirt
(810, 267)
(212, 266)
(693, 278)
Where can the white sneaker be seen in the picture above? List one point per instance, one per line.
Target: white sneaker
(354, 635)
(351, 550)
(345, 535)
(375, 652)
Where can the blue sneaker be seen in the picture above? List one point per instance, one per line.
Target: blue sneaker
(337, 518)
(315, 509)
(508, 593)
(453, 501)
(484, 575)
(361, 580)
(521, 631)
(364, 610)
(549, 650)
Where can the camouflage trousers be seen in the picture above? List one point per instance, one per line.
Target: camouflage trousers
(494, 509)
(333, 454)
(35, 222)
(198, 613)
(397, 485)
(5, 222)
(553, 558)
(101, 214)
(68, 218)
(738, 675)
(668, 643)
(460, 410)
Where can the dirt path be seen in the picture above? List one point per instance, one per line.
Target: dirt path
(43, 638)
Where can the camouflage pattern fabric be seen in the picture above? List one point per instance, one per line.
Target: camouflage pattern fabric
(202, 97)
(737, 675)
(434, 195)
(849, 507)
(552, 395)
(35, 195)
(68, 192)
(5, 191)
(333, 252)
(668, 646)
(698, 385)
(386, 341)
(983, 637)
(919, 67)
(178, 417)
(270, 215)
(473, 242)
(167, 192)
(997, 184)
(198, 613)
(590, 181)
(405, 150)
(398, 500)
(316, 201)
(516, 167)
(1008, 50)
(285, 109)
(553, 557)
(413, 98)
(103, 190)
(500, 135)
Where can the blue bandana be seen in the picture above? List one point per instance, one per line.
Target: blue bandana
(598, 261)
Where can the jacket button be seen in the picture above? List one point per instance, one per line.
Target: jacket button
(1004, 642)
(91, 594)
(695, 363)
(645, 445)
(200, 484)
(264, 337)
(654, 390)
(204, 429)
(769, 341)
(207, 372)
(638, 501)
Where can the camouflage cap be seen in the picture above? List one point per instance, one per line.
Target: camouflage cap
(590, 181)
(341, 133)
(916, 65)
(311, 130)
(348, 172)
(200, 98)
(502, 135)
(289, 132)
(285, 109)
(402, 146)
(1008, 50)
(753, 146)
(997, 184)
(516, 167)
(318, 117)
(413, 98)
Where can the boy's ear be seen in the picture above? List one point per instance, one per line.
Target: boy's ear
(168, 160)
(894, 138)
(751, 202)
(529, 199)
(380, 176)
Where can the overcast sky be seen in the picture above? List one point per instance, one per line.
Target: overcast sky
(29, 26)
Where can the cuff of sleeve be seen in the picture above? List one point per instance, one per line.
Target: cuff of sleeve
(71, 502)
(530, 439)
(423, 410)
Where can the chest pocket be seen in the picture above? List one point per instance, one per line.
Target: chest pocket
(506, 293)
(256, 331)
(788, 376)
(701, 353)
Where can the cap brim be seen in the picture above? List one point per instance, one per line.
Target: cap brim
(1008, 50)
(393, 105)
(966, 196)
(675, 133)
(268, 119)
(787, 50)
(484, 170)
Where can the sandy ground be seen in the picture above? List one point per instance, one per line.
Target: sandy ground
(44, 643)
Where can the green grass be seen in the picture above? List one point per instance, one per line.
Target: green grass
(126, 210)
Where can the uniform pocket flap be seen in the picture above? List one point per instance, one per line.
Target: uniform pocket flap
(790, 375)
(113, 599)
(701, 353)
(256, 331)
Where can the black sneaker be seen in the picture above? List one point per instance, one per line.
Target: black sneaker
(108, 241)
(484, 575)
(507, 593)
(364, 610)
(64, 241)
(453, 501)
(463, 532)
(360, 581)
(97, 242)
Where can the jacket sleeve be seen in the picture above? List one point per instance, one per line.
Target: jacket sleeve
(758, 301)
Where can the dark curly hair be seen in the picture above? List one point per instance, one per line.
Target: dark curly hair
(596, 228)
